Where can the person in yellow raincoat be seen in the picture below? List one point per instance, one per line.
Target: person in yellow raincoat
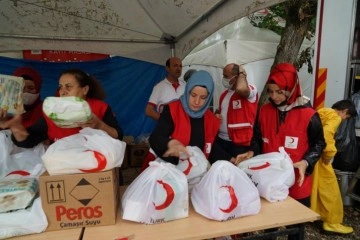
(326, 196)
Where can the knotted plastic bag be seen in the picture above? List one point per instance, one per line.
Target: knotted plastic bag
(159, 194)
(15, 161)
(225, 193)
(91, 150)
(195, 166)
(272, 173)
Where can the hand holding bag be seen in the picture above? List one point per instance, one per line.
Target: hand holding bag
(272, 173)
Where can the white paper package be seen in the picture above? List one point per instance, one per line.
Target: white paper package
(67, 112)
(11, 88)
(159, 194)
(17, 193)
(272, 173)
(225, 193)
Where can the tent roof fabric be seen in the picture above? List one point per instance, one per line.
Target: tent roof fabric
(148, 30)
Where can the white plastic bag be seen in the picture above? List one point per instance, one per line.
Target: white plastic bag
(225, 193)
(91, 150)
(159, 194)
(15, 161)
(194, 167)
(272, 173)
(22, 222)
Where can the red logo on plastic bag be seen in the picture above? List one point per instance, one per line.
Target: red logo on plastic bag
(170, 195)
(265, 165)
(19, 172)
(101, 159)
(188, 169)
(234, 200)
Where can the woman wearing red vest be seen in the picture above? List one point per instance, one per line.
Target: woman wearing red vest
(187, 121)
(72, 82)
(289, 121)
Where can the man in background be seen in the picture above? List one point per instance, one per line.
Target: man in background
(237, 111)
(167, 90)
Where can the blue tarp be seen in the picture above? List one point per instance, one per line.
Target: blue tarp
(127, 82)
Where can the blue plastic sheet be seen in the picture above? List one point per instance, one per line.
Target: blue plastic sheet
(128, 84)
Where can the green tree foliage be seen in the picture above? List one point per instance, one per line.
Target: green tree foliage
(300, 18)
(293, 20)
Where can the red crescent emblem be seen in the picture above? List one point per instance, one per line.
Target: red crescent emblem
(234, 200)
(265, 165)
(170, 195)
(292, 140)
(19, 172)
(188, 169)
(101, 159)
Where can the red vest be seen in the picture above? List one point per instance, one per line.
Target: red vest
(292, 135)
(182, 126)
(29, 118)
(241, 116)
(97, 107)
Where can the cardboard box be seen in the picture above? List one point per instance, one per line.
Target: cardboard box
(80, 200)
(137, 153)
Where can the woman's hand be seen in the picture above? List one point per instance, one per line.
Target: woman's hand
(301, 165)
(176, 149)
(93, 122)
(242, 157)
(15, 125)
(218, 115)
(3, 114)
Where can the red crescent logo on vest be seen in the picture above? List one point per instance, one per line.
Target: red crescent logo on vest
(234, 200)
(292, 140)
(19, 172)
(188, 169)
(170, 195)
(265, 165)
(101, 159)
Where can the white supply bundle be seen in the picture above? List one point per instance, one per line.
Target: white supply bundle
(26, 221)
(159, 194)
(67, 112)
(272, 173)
(11, 88)
(193, 167)
(225, 193)
(91, 150)
(17, 193)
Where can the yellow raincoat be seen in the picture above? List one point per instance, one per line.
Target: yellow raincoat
(326, 196)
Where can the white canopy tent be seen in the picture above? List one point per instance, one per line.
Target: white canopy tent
(241, 43)
(148, 30)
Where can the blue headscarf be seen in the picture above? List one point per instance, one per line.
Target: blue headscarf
(199, 78)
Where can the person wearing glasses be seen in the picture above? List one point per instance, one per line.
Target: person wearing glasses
(73, 82)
